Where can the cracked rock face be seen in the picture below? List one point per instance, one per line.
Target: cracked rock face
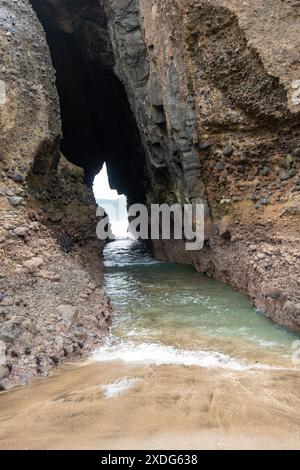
(52, 306)
(216, 82)
(214, 89)
(29, 108)
(160, 96)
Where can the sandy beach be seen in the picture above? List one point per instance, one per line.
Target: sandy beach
(96, 406)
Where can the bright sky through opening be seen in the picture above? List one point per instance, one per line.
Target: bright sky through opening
(114, 205)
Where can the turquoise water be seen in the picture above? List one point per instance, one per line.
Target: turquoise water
(171, 314)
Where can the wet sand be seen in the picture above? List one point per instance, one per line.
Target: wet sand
(118, 406)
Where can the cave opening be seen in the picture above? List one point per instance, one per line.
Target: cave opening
(98, 124)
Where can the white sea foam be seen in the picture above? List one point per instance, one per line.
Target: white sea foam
(117, 388)
(159, 354)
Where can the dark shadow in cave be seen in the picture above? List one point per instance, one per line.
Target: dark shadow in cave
(98, 125)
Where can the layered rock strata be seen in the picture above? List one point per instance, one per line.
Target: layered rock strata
(52, 305)
(214, 86)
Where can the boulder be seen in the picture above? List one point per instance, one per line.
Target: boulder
(33, 264)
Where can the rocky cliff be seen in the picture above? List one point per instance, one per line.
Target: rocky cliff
(185, 100)
(214, 87)
(52, 305)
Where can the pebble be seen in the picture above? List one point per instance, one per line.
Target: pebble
(225, 201)
(66, 312)
(297, 152)
(205, 145)
(265, 201)
(15, 201)
(241, 168)
(220, 166)
(84, 296)
(33, 263)
(19, 192)
(288, 174)
(20, 232)
(18, 178)
(228, 150)
(49, 276)
(265, 171)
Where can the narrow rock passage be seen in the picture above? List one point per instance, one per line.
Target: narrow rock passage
(170, 314)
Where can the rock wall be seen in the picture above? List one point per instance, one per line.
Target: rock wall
(29, 119)
(52, 305)
(214, 86)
